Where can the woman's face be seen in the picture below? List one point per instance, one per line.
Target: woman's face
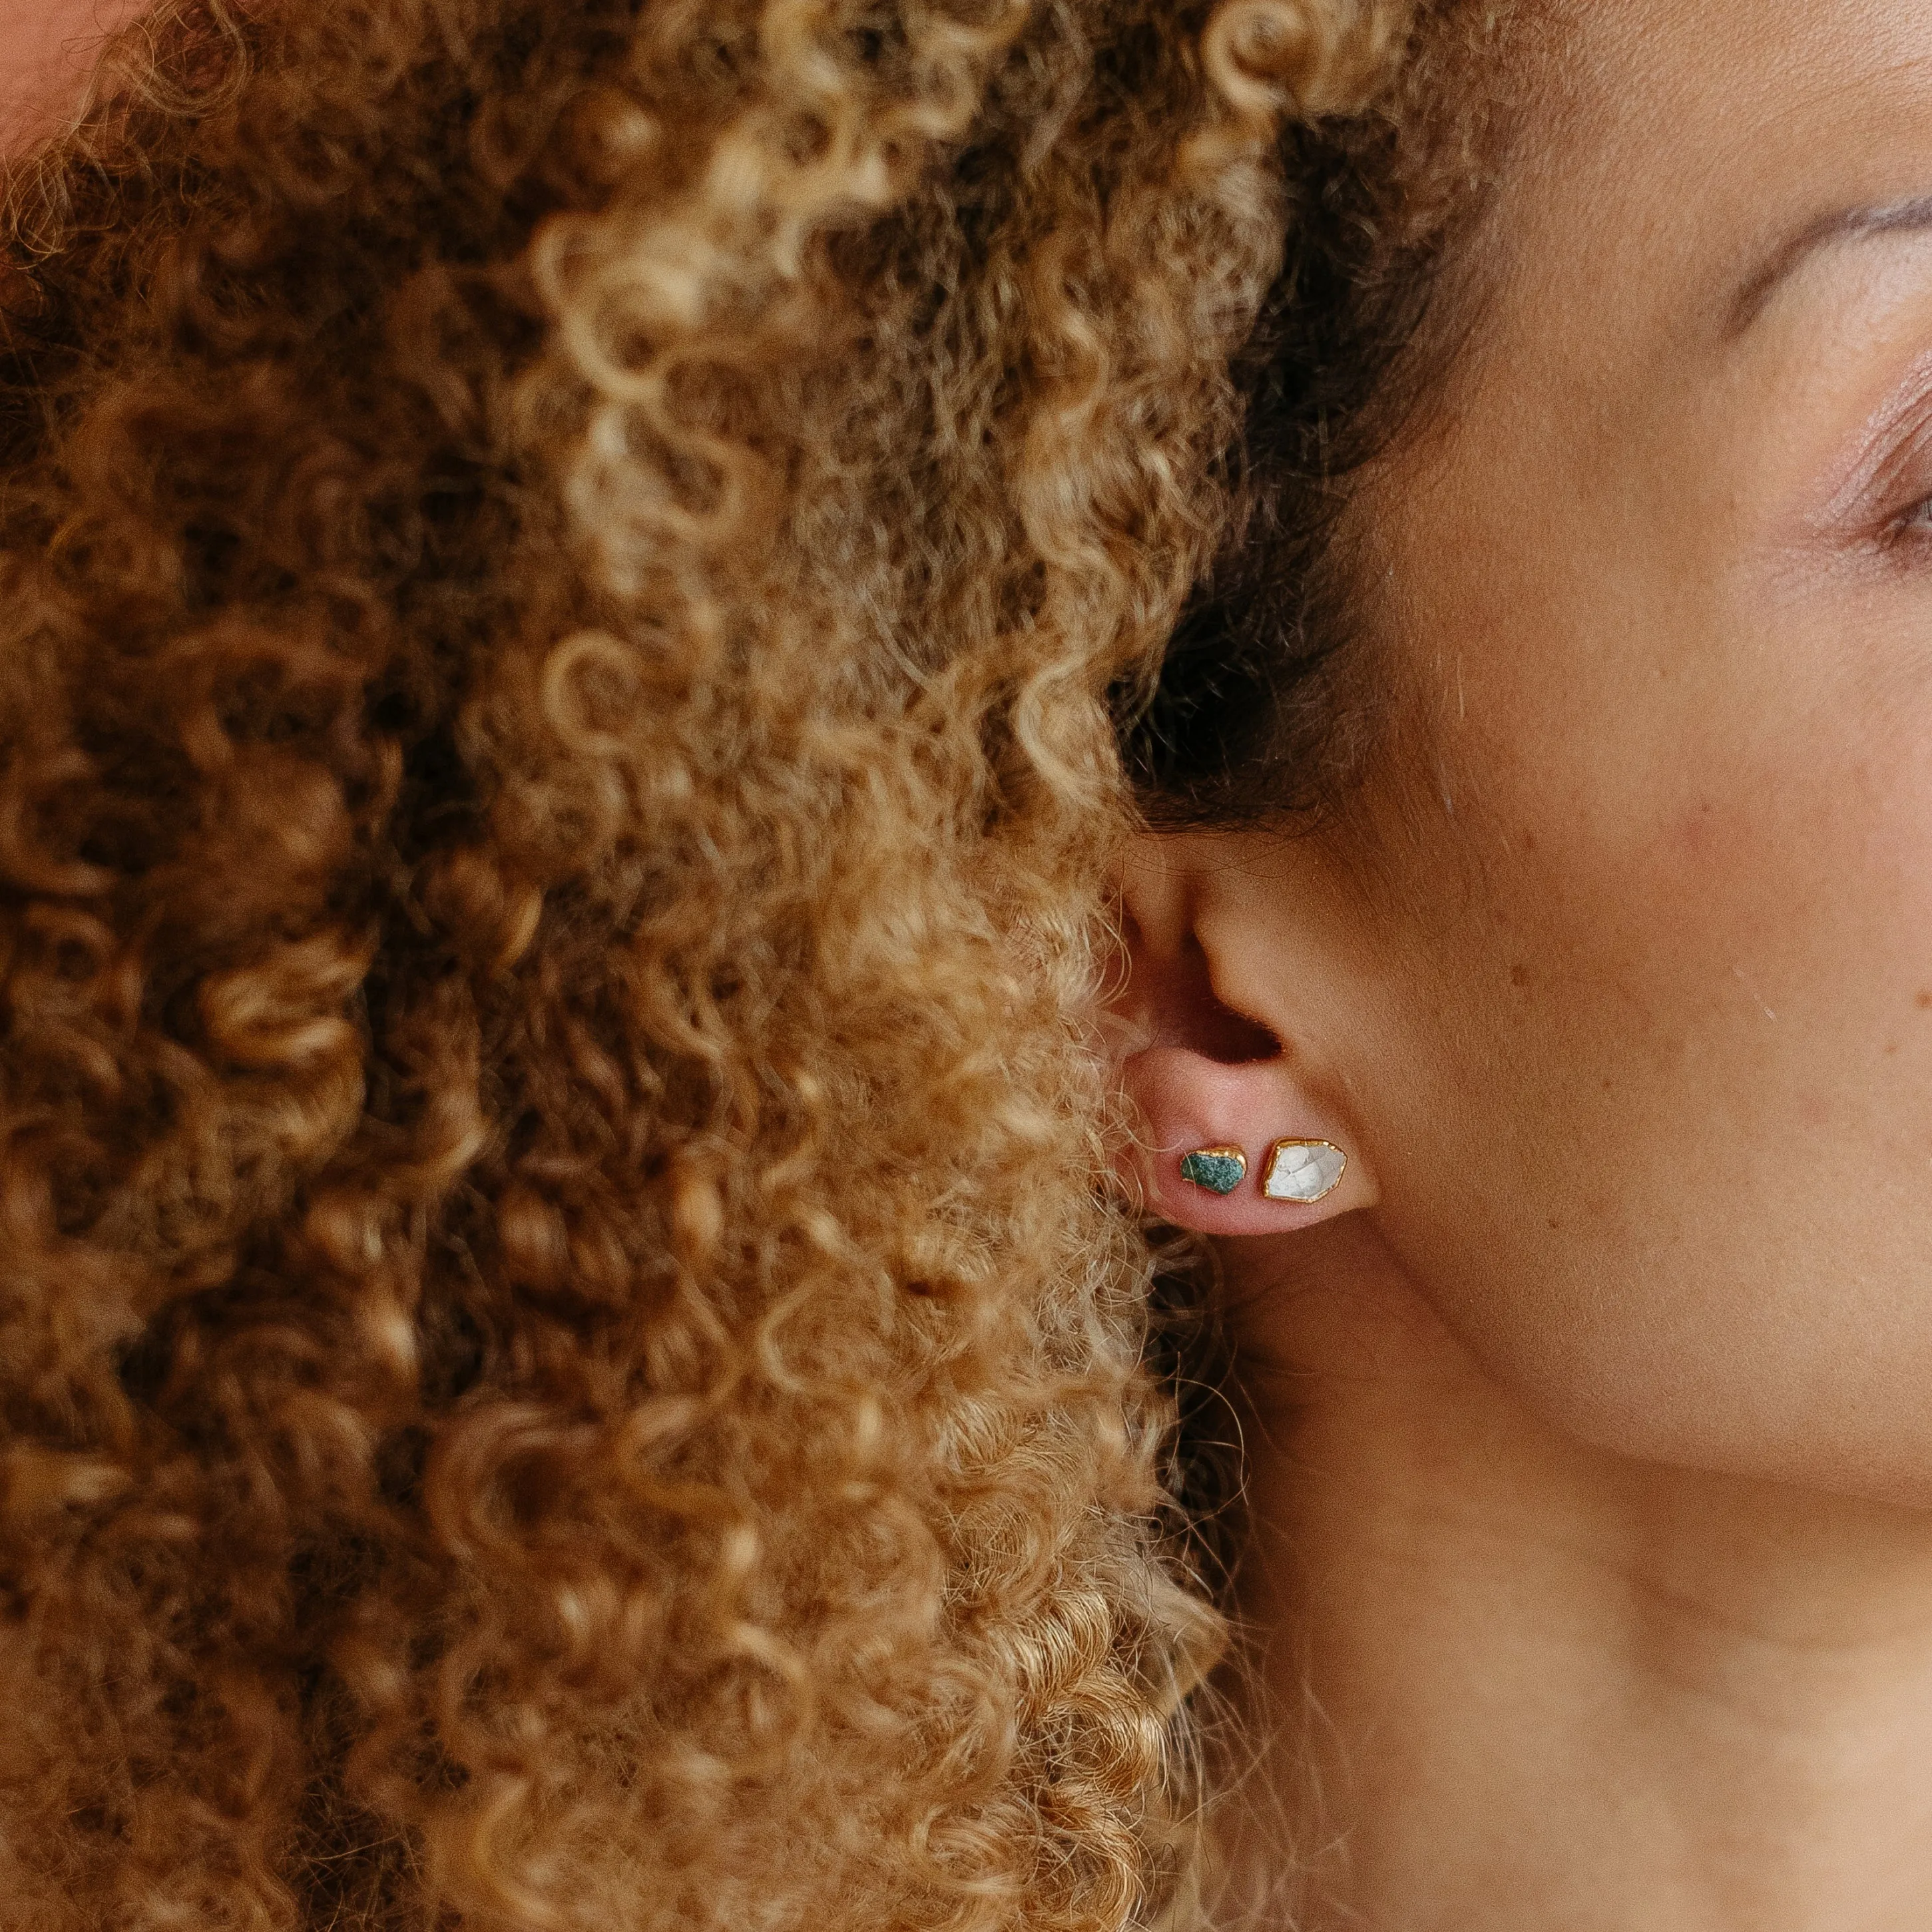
(1631, 963)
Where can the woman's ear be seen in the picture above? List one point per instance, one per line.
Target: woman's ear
(1237, 1134)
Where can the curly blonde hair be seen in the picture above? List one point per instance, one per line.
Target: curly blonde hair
(567, 1361)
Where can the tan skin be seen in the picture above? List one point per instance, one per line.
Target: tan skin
(1590, 1418)
(47, 49)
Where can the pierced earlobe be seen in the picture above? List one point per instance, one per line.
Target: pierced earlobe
(1303, 1172)
(1220, 1170)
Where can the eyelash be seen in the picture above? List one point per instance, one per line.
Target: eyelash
(1912, 525)
(1904, 467)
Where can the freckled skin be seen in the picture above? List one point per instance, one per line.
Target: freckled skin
(1685, 903)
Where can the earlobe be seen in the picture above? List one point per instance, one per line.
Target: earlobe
(1239, 1149)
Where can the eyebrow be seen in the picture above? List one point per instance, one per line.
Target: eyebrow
(1845, 224)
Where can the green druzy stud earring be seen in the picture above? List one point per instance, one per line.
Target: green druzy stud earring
(1218, 1169)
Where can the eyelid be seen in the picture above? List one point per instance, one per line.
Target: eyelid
(1896, 430)
(1900, 484)
(1912, 524)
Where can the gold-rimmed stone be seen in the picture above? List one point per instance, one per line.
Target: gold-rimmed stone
(1218, 1169)
(1303, 1172)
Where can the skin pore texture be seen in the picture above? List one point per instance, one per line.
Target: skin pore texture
(1590, 1453)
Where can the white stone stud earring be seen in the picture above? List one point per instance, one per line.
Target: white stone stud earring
(1303, 1172)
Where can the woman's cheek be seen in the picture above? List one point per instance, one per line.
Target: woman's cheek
(1603, 1102)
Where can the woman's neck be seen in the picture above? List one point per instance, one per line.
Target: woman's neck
(1542, 1686)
